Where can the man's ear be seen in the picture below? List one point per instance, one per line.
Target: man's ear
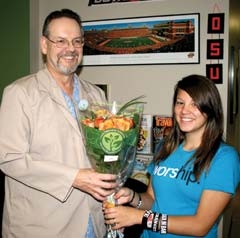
(43, 45)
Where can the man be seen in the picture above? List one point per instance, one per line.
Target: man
(51, 190)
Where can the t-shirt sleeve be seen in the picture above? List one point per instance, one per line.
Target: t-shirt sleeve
(224, 172)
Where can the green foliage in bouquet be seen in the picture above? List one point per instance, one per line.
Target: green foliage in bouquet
(112, 149)
(111, 142)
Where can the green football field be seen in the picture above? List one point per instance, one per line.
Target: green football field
(129, 42)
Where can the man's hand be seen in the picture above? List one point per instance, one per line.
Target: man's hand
(99, 185)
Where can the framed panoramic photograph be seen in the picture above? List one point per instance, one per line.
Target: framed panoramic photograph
(172, 39)
(99, 2)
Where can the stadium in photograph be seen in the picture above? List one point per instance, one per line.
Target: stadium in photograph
(131, 36)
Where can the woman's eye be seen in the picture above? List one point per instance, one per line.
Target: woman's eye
(194, 104)
(179, 103)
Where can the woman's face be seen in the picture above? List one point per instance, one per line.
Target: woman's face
(187, 114)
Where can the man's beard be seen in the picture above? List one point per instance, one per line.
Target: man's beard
(67, 69)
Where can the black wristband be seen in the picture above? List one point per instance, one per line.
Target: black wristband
(164, 224)
(145, 223)
(133, 196)
(155, 226)
(150, 220)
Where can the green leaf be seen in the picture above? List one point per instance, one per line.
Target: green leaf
(130, 103)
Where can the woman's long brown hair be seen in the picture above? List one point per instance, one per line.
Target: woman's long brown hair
(206, 96)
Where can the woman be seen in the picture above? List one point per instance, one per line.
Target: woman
(193, 176)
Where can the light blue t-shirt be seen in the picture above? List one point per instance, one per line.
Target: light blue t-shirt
(178, 193)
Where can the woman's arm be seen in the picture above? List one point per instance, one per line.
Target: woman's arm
(139, 202)
(134, 199)
(211, 206)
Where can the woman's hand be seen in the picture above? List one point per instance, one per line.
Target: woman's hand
(124, 195)
(116, 216)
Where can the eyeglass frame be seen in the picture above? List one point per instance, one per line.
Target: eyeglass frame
(66, 41)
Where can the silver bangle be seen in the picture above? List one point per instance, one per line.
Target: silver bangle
(139, 202)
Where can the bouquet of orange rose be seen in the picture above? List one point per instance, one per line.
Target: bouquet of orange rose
(111, 134)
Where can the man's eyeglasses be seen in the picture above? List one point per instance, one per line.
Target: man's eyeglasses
(64, 43)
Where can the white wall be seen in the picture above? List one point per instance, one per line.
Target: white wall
(154, 81)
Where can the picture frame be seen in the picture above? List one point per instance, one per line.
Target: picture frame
(100, 2)
(105, 88)
(169, 39)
